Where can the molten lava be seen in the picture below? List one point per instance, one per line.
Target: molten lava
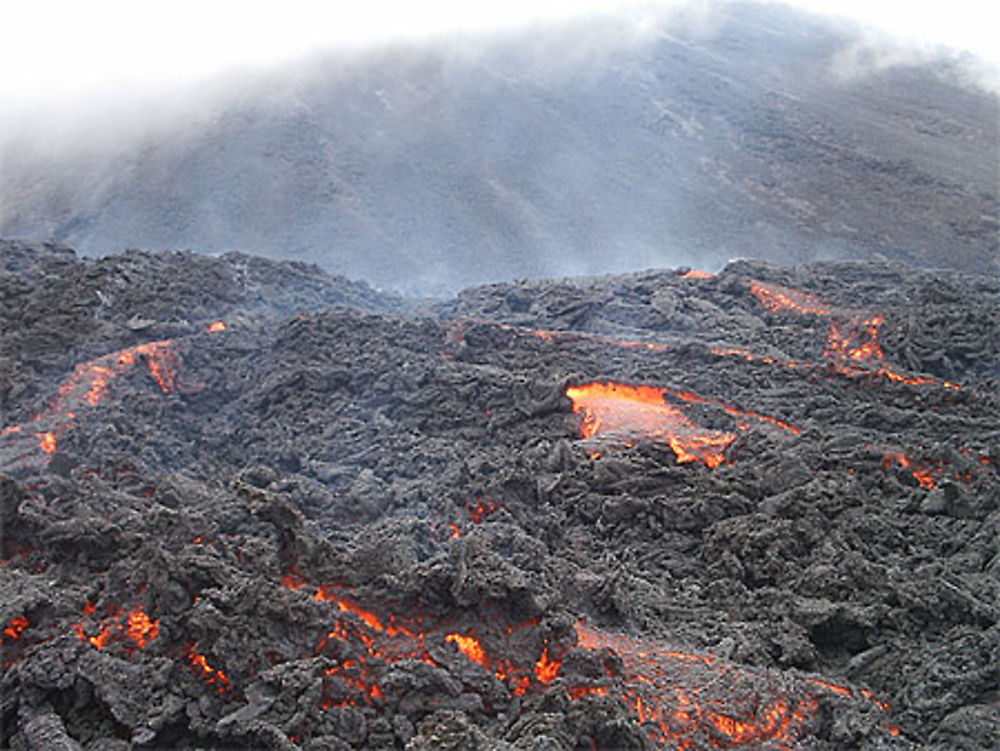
(624, 413)
(690, 396)
(483, 508)
(855, 350)
(16, 627)
(925, 476)
(669, 693)
(136, 626)
(89, 384)
(140, 628)
(48, 443)
(778, 299)
(681, 698)
(201, 667)
(852, 342)
(470, 647)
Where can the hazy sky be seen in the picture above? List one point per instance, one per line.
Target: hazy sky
(56, 48)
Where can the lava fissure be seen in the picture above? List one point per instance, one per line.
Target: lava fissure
(852, 343)
(619, 413)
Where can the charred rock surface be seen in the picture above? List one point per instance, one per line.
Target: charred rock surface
(754, 510)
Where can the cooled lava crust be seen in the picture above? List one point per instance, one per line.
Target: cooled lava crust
(249, 505)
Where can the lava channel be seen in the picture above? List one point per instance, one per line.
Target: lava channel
(619, 413)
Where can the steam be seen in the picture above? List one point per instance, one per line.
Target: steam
(104, 169)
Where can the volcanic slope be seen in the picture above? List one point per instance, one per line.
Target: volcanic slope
(754, 510)
(577, 149)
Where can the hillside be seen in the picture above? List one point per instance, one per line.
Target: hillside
(592, 148)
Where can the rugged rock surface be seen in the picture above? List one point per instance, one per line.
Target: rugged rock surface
(340, 522)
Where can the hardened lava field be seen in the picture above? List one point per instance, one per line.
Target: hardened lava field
(246, 504)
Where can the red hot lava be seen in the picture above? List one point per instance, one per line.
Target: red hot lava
(777, 299)
(483, 508)
(88, 385)
(925, 476)
(690, 396)
(16, 627)
(689, 700)
(852, 342)
(135, 626)
(628, 413)
(201, 668)
(684, 700)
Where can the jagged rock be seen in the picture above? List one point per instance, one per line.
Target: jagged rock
(346, 537)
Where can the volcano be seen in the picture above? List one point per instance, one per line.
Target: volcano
(591, 146)
(247, 504)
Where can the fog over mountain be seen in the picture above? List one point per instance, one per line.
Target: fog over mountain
(588, 148)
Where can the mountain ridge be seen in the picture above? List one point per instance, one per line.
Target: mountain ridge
(556, 154)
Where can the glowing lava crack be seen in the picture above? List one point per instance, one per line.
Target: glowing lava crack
(682, 700)
(620, 414)
(89, 383)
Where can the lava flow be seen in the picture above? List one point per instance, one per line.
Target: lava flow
(483, 508)
(16, 627)
(925, 476)
(201, 668)
(777, 299)
(136, 626)
(690, 700)
(855, 350)
(852, 341)
(363, 643)
(89, 383)
(690, 396)
(620, 412)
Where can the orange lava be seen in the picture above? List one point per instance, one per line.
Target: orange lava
(16, 627)
(140, 628)
(134, 625)
(852, 341)
(668, 691)
(578, 692)
(216, 326)
(201, 667)
(346, 606)
(682, 699)
(547, 669)
(628, 413)
(690, 396)
(470, 647)
(777, 299)
(854, 347)
(483, 508)
(696, 274)
(834, 687)
(89, 383)
(48, 443)
(924, 476)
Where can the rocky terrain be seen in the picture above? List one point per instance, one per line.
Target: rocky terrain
(597, 147)
(246, 504)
